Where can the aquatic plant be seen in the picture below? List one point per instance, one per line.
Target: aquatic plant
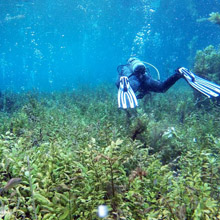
(8, 102)
(73, 156)
(207, 63)
(214, 17)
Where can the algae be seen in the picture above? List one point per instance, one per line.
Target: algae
(214, 17)
(207, 63)
(74, 154)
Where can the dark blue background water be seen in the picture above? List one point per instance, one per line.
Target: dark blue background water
(61, 44)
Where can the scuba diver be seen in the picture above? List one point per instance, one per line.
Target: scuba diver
(134, 77)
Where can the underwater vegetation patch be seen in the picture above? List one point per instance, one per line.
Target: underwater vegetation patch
(63, 156)
(207, 64)
(214, 17)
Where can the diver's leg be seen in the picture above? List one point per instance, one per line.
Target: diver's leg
(160, 87)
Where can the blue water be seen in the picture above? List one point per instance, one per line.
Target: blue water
(62, 44)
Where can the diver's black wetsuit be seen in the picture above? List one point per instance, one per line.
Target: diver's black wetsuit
(143, 83)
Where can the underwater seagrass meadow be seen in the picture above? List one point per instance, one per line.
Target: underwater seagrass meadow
(65, 146)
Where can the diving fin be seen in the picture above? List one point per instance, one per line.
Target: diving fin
(206, 87)
(126, 96)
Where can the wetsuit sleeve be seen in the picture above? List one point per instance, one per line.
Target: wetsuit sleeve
(151, 85)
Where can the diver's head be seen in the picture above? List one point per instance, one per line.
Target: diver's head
(137, 67)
